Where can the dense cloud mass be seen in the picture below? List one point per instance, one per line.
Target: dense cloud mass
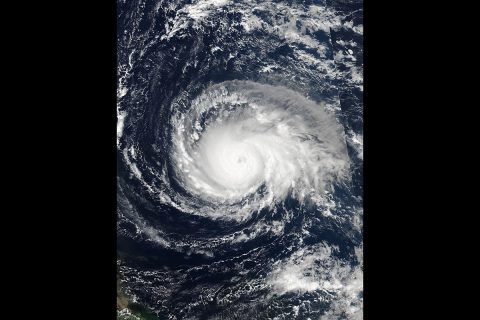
(241, 136)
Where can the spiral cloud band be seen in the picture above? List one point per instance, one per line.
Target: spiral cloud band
(243, 146)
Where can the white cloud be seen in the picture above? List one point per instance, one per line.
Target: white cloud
(316, 268)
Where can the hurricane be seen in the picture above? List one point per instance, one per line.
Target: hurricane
(239, 160)
(244, 146)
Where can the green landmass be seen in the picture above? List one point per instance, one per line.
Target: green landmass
(128, 310)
